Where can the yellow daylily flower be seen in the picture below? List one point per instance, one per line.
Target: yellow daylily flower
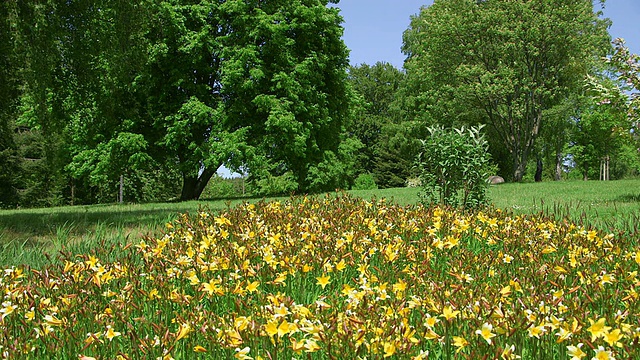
(183, 331)
(323, 280)
(253, 286)
(486, 332)
(613, 338)
(598, 329)
(389, 349)
(242, 354)
(576, 352)
(448, 313)
(199, 349)
(603, 354)
(110, 333)
(271, 328)
(459, 342)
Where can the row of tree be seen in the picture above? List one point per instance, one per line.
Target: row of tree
(518, 67)
(153, 96)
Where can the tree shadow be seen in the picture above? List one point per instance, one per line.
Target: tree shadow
(32, 226)
(628, 198)
(43, 224)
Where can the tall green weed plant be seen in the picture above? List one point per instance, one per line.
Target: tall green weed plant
(454, 165)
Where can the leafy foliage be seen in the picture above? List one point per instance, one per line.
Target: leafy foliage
(270, 185)
(181, 86)
(364, 182)
(597, 136)
(454, 166)
(221, 188)
(390, 141)
(501, 63)
(624, 95)
(9, 94)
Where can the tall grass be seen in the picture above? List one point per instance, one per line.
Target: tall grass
(612, 206)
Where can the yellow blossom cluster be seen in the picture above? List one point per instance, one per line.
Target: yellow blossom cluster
(335, 277)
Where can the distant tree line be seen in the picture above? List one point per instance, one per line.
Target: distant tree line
(153, 96)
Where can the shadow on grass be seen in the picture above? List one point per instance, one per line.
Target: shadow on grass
(29, 224)
(628, 198)
(39, 224)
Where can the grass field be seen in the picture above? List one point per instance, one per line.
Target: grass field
(610, 206)
(30, 236)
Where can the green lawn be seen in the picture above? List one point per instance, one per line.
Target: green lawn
(610, 206)
(28, 235)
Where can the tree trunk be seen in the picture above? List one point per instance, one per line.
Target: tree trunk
(538, 176)
(193, 186)
(558, 174)
(520, 143)
(604, 168)
(518, 171)
(121, 190)
(585, 172)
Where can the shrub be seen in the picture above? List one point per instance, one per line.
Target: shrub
(364, 182)
(221, 188)
(454, 165)
(275, 185)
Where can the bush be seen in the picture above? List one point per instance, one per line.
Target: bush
(454, 165)
(271, 185)
(221, 188)
(364, 182)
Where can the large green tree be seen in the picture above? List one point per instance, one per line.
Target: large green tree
(79, 128)
(284, 81)
(377, 87)
(35, 49)
(502, 63)
(107, 132)
(120, 88)
(252, 83)
(8, 100)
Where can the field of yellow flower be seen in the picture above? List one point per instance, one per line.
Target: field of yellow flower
(335, 277)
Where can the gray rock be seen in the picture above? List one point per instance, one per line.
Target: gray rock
(495, 180)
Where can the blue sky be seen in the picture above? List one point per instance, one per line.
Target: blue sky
(373, 28)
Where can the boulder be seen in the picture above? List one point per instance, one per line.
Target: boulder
(495, 180)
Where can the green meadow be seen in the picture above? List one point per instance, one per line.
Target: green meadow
(34, 236)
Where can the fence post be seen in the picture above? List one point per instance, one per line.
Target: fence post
(121, 192)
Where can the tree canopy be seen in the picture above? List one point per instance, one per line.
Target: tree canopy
(145, 100)
(502, 63)
(153, 86)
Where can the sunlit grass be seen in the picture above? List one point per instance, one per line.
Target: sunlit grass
(612, 206)
(35, 236)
